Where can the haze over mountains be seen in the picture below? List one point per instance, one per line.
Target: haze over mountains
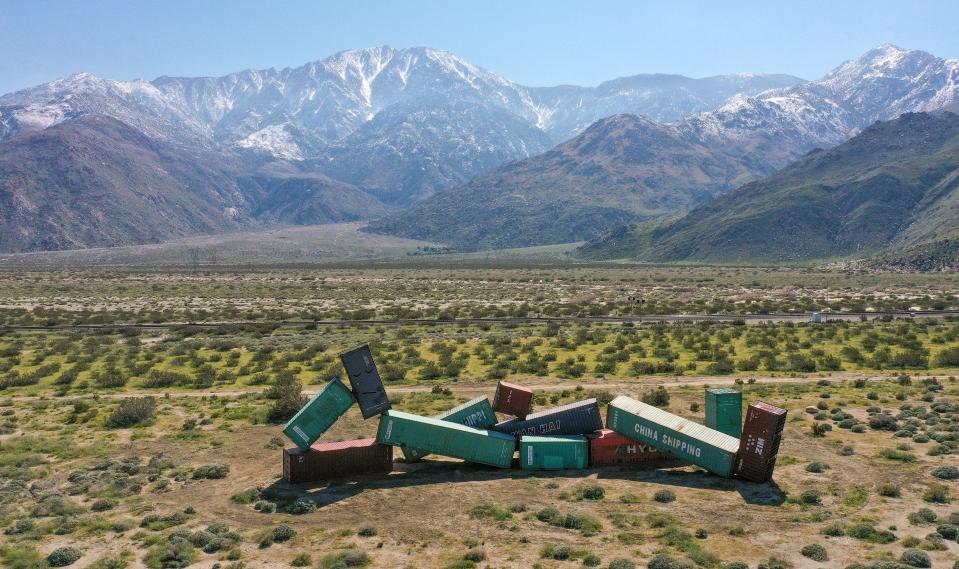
(427, 144)
(651, 169)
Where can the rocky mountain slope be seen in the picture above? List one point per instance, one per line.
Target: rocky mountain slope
(748, 137)
(622, 169)
(95, 181)
(892, 188)
(401, 123)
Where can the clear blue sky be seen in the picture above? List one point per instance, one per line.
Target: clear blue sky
(533, 42)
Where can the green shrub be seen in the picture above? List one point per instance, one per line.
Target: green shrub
(170, 555)
(487, 510)
(63, 556)
(946, 473)
(591, 492)
(621, 564)
(948, 531)
(302, 560)
(366, 532)
(815, 552)
(103, 504)
(812, 497)
(817, 467)
(591, 560)
(889, 490)
(345, 558)
(664, 496)
(132, 411)
(922, 516)
(658, 397)
(663, 561)
(302, 506)
(211, 471)
(916, 558)
(937, 494)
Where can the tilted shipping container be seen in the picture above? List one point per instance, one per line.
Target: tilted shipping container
(445, 438)
(365, 380)
(579, 418)
(553, 453)
(512, 399)
(609, 448)
(759, 446)
(335, 460)
(319, 414)
(692, 442)
(476, 413)
(724, 410)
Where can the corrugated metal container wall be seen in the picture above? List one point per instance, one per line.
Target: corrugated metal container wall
(319, 414)
(759, 447)
(724, 410)
(365, 380)
(609, 448)
(689, 441)
(476, 413)
(553, 453)
(335, 460)
(445, 438)
(578, 418)
(512, 399)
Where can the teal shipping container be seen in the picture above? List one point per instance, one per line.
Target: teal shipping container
(445, 438)
(724, 410)
(319, 414)
(553, 453)
(476, 413)
(692, 442)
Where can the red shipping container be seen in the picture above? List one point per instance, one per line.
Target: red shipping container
(512, 399)
(609, 448)
(334, 460)
(759, 445)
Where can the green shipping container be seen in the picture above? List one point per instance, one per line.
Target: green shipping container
(448, 439)
(724, 410)
(476, 413)
(319, 414)
(689, 441)
(553, 453)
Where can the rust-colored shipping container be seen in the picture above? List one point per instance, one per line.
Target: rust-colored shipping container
(609, 448)
(336, 460)
(759, 445)
(512, 399)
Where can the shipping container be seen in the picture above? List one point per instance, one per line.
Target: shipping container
(335, 460)
(724, 410)
(689, 441)
(579, 418)
(365, 380)
(553, 453)
(512, 399)
(445, 438)
(609, 448)
(476, 413)
(319, 414)
(759, 446)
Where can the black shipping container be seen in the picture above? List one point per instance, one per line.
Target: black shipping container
(580, 418)
(365, 381)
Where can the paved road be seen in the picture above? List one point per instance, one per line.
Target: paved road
(669, 318)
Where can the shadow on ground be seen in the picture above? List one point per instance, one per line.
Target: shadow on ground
(429, 472)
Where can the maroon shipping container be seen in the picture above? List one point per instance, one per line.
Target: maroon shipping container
(335, 460)
(609, 448)
(512, 399)
(759, 445)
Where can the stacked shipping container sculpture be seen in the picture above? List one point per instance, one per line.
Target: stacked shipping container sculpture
(566, 437)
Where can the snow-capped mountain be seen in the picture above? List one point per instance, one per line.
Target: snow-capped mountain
(780, 124)
(401, 122)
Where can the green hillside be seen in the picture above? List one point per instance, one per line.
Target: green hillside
(892, 188)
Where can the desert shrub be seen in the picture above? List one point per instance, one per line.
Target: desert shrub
(664, 496)
(817, 467)
(922, 516)
(813, 497)
(663, 561)
(475, 555)
(736, 565)
(302, 560)
(132, 411)
(63, 556)
(559, 553)
(946, 473)
(819, 429)
(283, 532)
(948, 531)
(937, 494)
(302, 506)
(591, 492)
(103, 504)
(815, 552)
(658, 397)
(211, 471)
(889, 490)
(366, 532)
(591, 560)
(883, 422)
(867, 532)
(345, 558)
(488, 510)
(170, 555)
(265, 506)
(621, 564)
(287, 395)
(916, 558)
